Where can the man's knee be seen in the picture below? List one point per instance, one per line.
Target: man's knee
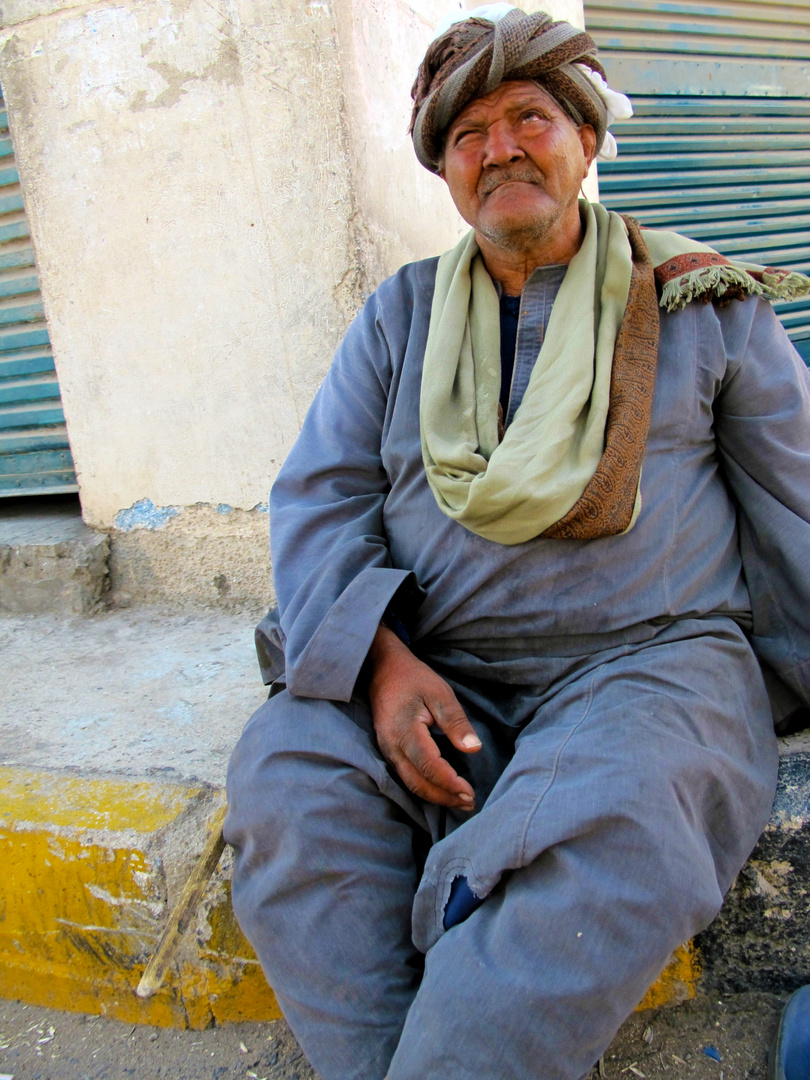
(282, 791)
(289, 751)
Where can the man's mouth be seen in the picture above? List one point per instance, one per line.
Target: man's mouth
(494, 181)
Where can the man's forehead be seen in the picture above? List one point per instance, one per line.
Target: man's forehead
(513, 94)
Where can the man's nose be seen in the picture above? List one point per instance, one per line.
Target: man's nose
(502, 147)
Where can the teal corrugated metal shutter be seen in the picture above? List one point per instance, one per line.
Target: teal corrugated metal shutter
(34, 453)
(719, 148)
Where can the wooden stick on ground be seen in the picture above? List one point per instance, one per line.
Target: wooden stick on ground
(184, 909)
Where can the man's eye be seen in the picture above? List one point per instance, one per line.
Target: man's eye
(464, 134)
(527, 117)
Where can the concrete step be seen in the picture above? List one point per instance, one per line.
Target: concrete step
(91, 870)
(114, 739)
(115, 735)
(50, 561)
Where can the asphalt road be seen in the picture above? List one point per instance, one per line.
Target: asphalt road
(701, 1040)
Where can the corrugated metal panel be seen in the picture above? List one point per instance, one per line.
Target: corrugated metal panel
(34, 452)
(719, 147)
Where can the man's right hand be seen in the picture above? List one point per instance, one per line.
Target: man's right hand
(407, 698)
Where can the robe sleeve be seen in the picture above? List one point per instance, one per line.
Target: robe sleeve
(762, 426)
(331, 562)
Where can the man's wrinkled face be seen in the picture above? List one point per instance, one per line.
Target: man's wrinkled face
(514, 164)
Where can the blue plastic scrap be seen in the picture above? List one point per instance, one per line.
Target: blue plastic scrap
(713, 1053)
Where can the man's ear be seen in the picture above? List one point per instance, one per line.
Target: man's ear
(587, 136)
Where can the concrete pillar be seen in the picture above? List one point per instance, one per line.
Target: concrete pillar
(213, 188)
(186, 176)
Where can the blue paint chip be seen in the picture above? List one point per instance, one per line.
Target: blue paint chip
(144, 515)
(262, 508)
(223, 508)
(713, 1053)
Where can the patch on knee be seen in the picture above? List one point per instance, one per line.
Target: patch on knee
(461, 903)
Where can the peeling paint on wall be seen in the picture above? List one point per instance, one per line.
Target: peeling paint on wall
(145, 515)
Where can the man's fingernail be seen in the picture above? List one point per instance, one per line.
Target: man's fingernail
(465, 797)
(471, 742)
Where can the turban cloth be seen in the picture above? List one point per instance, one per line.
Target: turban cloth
(475, 56)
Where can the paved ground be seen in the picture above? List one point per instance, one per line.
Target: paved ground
(42, 1044)
(132, 691)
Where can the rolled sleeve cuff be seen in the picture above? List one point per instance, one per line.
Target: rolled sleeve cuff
(329, 665)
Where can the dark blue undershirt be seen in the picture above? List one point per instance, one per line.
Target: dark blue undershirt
(510, 313)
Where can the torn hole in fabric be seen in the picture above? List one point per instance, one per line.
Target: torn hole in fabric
(461, 903)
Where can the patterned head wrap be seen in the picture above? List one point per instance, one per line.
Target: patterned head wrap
(473, 57)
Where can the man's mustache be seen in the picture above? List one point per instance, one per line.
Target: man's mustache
(494, 179)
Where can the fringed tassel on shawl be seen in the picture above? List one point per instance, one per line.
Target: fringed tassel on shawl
(728, 282)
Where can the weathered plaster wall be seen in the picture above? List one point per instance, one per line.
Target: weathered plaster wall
(193, 556)
(213, 188)
(187, 181)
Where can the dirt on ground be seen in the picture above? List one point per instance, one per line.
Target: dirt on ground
(705, 1039)
(43, 1044)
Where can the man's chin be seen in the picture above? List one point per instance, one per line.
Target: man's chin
(517, 235)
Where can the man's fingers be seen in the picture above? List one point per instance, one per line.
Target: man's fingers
(407, 698)
(451, 718)
(416, 782)
(421, 751)
(424, 771)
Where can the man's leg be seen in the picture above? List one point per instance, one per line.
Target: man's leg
(633, 799)
(324, 879)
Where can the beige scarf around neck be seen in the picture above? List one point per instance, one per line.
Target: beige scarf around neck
(516, 490)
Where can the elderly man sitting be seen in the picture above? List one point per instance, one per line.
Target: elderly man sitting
(521, 743)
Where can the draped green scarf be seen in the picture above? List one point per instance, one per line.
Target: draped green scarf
(569, 464)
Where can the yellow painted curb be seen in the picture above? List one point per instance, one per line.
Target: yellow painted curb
(91, 868)
(677, 982)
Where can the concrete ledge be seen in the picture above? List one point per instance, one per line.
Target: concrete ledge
(50, 561)
(173, 558)
(761, 938)
(91, 870)
(677, 983)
